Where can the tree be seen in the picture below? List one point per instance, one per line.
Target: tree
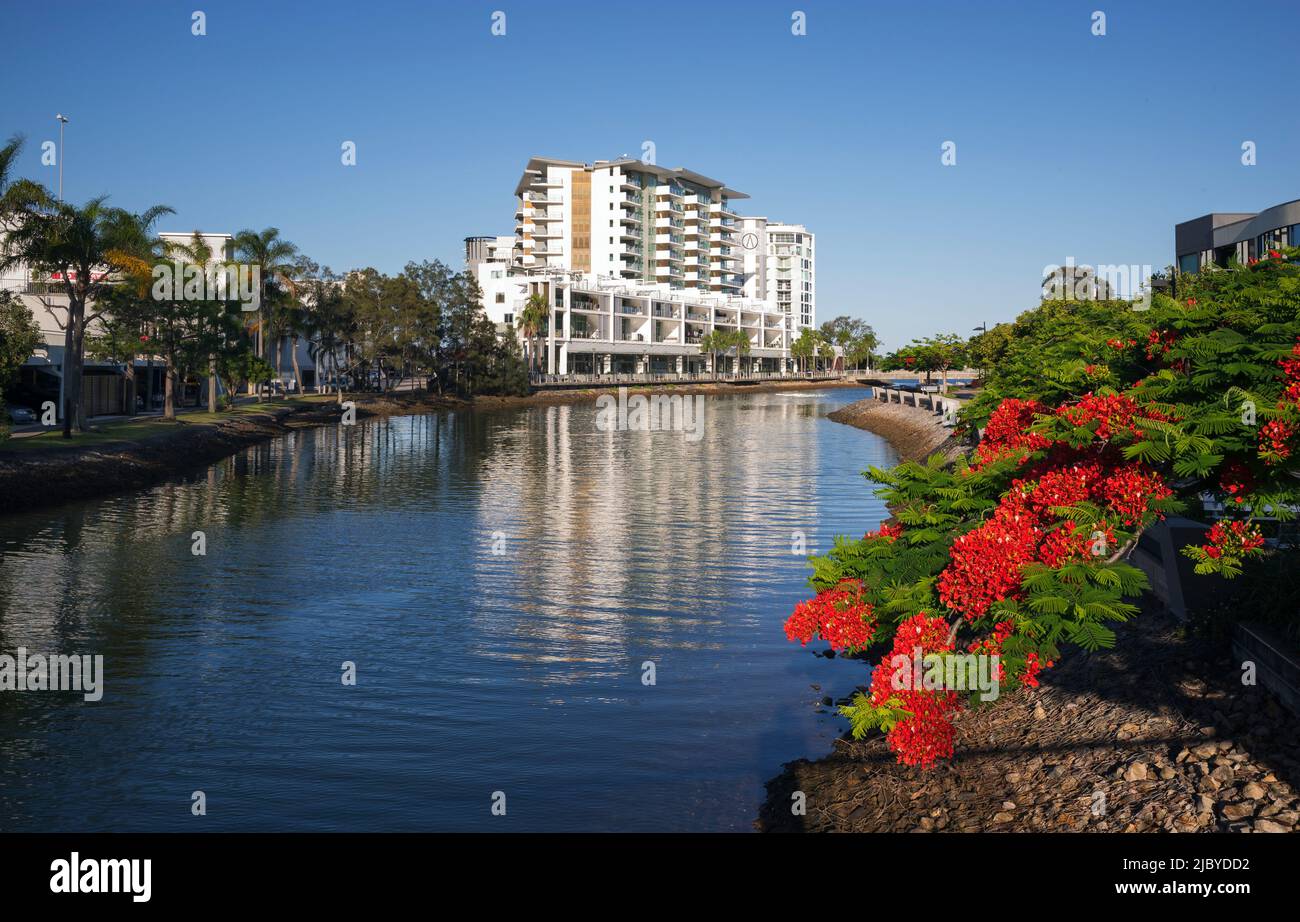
(19, 337)
(933, 353)
(82, 247)
(856, 339)
(804, 347)
(532, 322)
(274, 259)
(1099, 420)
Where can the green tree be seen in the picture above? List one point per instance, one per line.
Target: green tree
(803, 348)
(274, 258)
(86, 247)
(532, 323)
(19, 337)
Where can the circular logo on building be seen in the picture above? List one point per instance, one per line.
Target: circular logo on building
(749, 241)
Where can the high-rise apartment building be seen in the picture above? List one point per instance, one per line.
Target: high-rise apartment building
(630, 220)
(779, 262)
(639, 263)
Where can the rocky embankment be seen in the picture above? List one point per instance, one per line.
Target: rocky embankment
(915, 433)
(1157, 734)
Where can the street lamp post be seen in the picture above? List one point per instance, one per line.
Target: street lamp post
(63, 120)
(982, 328)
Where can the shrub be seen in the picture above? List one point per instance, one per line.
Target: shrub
(1100, 419)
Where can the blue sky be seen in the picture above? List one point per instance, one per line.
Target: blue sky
(1067, 144)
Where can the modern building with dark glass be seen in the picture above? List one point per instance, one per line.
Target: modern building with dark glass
(1221, 237)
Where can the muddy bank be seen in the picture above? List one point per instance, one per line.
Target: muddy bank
(914, 433)
(33, 477)
(1133, 739)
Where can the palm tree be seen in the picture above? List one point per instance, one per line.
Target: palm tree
(274, 258)
(86, 247)
(532, 321)
(196, 253)
(740, 342)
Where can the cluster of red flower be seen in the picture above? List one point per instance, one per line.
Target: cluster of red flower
(1275, 436)
(927, 735)
(1113, 412)
(1032, 668)
(1129, 490)
(1291, 368)
(1236, 538)
(1119, 345)
(839, 616)
(1160, 343)
(886, 530)
(1237, 480)
(1006, 432)
(986, 562)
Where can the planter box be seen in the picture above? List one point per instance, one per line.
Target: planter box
(1277, 661)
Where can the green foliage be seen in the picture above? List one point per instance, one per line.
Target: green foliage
(1204, 369)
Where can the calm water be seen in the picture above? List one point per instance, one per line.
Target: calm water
(518, 671)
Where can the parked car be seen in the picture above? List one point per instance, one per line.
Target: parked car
(21, 416)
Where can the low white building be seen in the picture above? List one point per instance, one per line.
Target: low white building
(600, 325)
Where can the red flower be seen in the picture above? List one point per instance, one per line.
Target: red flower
(839, 616)
(926, 736)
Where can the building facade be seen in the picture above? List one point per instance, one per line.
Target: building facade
(630, 220)
(638, 262)
(600, 325)
(1220, 237)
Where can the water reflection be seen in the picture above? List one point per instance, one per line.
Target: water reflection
(498, 578)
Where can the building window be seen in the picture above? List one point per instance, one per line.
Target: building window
(501, 297)
(510, 318)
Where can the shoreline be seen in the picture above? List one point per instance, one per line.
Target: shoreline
(1156, 734)
(914, 433)
(34, 477)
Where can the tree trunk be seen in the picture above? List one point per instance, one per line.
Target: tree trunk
(69, 405)
(297, 372)
(169, 390)
(77, 319)
(279, 360)
(212, 383)
(128, 385)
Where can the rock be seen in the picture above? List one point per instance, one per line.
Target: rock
(1008, 805)
(1238, 811)
(1252, 791)
(1166, 773)
(1013, 777)
(1269, 826)
(1136, 772)
(1039, 713)
(1205, 750)
(1002, 817)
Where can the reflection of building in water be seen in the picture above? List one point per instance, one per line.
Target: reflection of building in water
(595, 518)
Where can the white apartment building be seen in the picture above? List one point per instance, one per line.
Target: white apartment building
(628, 219)
(780, 266)
(638, 262)
(602, 325)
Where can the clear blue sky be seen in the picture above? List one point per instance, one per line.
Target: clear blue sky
(1067, 144)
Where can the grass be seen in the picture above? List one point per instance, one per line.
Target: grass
(134, 431)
